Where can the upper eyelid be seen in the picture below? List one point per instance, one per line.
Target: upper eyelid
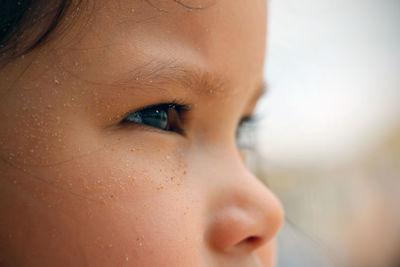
(153, 76)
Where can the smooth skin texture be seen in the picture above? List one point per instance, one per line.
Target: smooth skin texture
(80, 188)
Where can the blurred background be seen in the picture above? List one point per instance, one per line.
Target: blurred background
(329, 138)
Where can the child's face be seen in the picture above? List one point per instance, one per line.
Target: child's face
(166, 187)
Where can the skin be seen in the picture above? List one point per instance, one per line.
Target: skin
(78, 188)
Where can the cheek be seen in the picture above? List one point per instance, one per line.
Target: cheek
(146, 212)
(127, 202)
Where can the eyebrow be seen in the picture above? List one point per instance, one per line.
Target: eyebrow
(155, 75)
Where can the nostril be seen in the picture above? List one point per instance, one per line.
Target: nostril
(252, 241)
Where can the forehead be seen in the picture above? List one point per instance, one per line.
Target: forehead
(112, 38)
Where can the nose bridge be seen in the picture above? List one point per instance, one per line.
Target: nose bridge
(245, 214)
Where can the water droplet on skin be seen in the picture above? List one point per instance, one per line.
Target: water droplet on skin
(126, 258)
(56, 81)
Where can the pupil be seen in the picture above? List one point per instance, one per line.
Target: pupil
(155, 117)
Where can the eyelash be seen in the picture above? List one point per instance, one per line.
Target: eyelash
(245, 131)
(170, 117)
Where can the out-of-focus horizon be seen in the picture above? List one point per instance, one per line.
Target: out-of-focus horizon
(330, 140)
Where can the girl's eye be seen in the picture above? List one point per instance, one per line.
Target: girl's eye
(166, 117)
(245, 133)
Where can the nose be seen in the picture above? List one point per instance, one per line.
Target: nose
(245, 213)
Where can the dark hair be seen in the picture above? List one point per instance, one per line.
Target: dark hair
(26, 24)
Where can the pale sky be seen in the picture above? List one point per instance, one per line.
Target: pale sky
(333, 70)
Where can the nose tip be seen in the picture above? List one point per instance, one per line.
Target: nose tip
(246, 220)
